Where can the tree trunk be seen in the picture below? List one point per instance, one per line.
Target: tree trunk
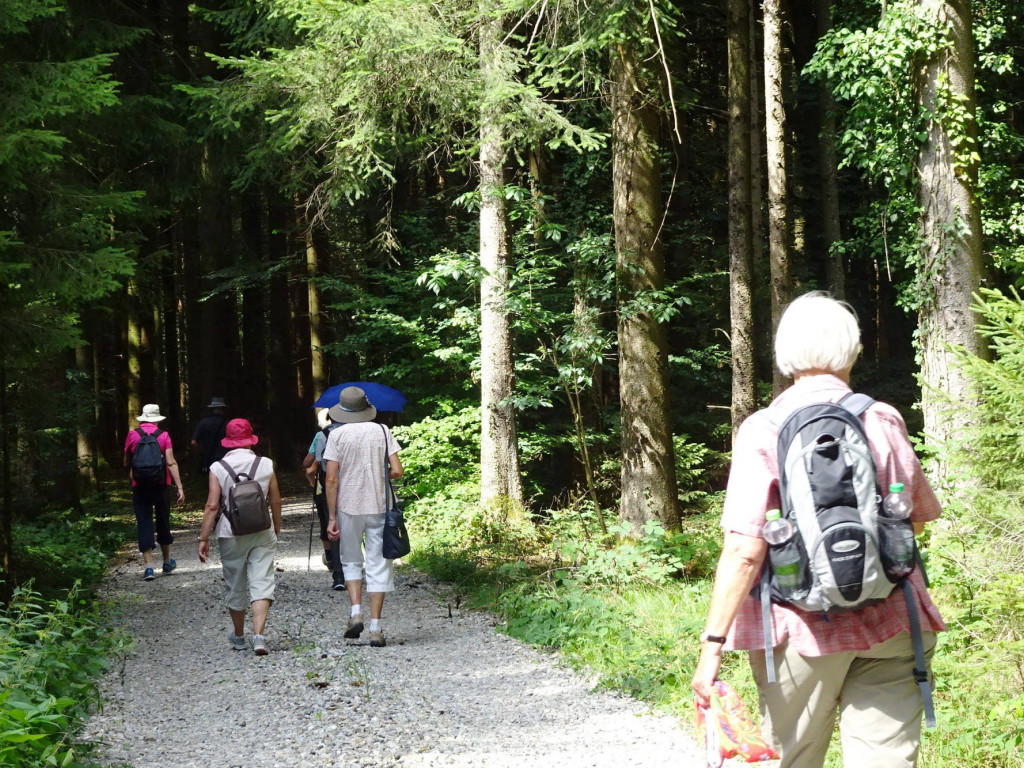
(280, 365)
(134, 329)
(318, 362)
(950, 227)
(85, 416)
(778, 196)
(829, 167)
(500, 479)
(648, 458)
(254, 311)
(741, 244)
(7, 500)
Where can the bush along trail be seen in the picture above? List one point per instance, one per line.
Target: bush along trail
(448, 690)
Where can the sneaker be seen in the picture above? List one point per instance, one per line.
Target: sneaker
(355, 627)
(338, 582)
(377, 639)
(148, 575)
(170, 565)
(259, 645)
(237, 643)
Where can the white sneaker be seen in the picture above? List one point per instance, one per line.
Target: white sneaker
(237, 643)
(259, 645)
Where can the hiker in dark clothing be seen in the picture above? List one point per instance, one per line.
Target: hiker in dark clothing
(209, 432)
(314, 463)
(151, 468)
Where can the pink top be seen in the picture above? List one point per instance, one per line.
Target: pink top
(163, 440)
(753, 489)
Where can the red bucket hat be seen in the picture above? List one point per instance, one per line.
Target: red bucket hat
(238, 434)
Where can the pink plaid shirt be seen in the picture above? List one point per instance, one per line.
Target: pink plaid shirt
(753, 489)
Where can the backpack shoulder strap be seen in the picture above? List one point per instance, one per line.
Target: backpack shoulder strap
(252, 469)
(230, 471)
(856, 403)
(142, 433)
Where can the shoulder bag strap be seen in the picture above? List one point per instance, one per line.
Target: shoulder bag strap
(387, 471)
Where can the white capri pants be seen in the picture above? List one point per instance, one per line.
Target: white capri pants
(247, 563)
(380, 573)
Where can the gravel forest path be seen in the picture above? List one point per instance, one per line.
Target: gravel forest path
(448, 690)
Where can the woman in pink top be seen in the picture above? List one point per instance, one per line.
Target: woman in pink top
(858, 665)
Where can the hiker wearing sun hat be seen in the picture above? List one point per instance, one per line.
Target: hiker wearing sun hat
(149, 459)
(247, 561)
(356, 490)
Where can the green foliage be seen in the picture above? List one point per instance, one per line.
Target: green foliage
(976, 564)
(59, 550)
(58, 249)
(51, 654)
(369, 84)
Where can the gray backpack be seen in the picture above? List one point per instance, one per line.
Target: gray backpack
(246, 509)
(829, 489)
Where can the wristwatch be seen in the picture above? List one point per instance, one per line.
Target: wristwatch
(706, 637)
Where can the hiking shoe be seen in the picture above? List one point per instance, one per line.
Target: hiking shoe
(259, 645)
(148, 575)
(237, 643)
(377, 639)
(170, 565)
(355, 627)
(338, 582)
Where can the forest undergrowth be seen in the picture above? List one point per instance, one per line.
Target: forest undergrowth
(630, 610)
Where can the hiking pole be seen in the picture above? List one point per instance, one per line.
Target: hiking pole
(312, 516)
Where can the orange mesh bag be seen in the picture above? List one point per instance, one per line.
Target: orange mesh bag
(729, 730)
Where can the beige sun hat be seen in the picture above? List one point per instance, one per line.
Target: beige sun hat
(352, 407)
(150, 412)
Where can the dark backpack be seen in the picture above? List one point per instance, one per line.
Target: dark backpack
(843, 544)
(246, 508)
(149, 469)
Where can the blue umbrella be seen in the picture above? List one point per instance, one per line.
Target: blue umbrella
(381, 397)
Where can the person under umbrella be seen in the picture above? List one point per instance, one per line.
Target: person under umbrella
(356, 489)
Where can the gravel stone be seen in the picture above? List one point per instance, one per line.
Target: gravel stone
(447, 690)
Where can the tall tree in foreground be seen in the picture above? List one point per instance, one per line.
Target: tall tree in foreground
(741, 243)
(648, 457)
(779, 240)
(500, 478)
(829, 168)
(949, 272)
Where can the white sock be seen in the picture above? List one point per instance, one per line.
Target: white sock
(357, 610)
(375, 625)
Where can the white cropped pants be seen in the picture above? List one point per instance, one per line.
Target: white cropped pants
(361, 533)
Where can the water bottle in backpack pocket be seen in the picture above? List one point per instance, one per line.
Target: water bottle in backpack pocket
(787, 557)
(896, 533)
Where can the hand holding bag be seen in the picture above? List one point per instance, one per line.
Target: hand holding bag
(396, 538)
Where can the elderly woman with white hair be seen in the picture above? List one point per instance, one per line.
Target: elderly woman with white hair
(857, 665)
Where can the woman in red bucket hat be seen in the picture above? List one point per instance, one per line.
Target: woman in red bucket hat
(247, 561)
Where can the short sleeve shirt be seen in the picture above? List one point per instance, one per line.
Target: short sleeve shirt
(362, 452)
(240, 460)
(753, 489)
(163, 440)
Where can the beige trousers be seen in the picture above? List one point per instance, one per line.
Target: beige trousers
(874, 692)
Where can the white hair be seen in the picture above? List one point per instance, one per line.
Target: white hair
(817, 333)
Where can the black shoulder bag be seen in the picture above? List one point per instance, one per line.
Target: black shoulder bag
(396, 538)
